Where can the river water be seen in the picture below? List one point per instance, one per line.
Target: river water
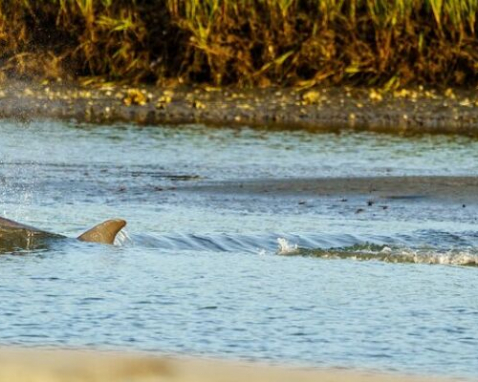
(281, 277)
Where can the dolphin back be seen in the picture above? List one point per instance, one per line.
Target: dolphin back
(15, 236)
(10, 225)
(103, 233)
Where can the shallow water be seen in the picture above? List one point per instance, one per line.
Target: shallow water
(277, 278)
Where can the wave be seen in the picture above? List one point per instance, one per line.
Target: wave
(421, 247)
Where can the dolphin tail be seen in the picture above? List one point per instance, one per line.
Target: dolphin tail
(103, 233)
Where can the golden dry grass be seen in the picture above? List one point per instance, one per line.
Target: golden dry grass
(390, 43)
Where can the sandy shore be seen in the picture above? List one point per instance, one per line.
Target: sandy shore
(65, 366)
(316, 109)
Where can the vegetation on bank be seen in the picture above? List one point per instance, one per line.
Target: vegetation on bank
(387, 43)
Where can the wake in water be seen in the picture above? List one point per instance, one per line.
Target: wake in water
(385, 253)
(422, 247)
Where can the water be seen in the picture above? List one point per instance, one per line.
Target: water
(281, 277)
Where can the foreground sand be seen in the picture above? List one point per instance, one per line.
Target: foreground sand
(65, 366)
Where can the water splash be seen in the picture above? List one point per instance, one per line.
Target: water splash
(285, 248)
(123, 239)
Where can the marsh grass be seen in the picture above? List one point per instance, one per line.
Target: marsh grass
(386, 43)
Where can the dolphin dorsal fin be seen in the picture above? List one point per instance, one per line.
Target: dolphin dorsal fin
(103, 233)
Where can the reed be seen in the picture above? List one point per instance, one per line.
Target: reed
(389, 43)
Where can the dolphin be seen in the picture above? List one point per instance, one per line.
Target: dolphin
(14, 236)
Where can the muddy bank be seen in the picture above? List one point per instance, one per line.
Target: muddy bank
(392, 187)
(51, 366)
(316, 109)
(394, 198)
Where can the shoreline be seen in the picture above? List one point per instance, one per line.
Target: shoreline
(91, 366)
(416, 111)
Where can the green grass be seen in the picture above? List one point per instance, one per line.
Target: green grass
(387, 43)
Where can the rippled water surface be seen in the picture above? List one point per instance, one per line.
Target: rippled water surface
(277, 277)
